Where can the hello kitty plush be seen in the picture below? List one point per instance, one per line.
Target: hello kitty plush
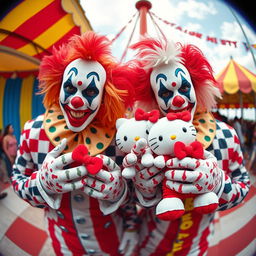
(131, 138)
(175, 136)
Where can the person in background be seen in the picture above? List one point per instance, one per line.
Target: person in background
(238, 127)
(3, 173)
(175, 78)
(85, 92)
(10, 147)
(252, 153)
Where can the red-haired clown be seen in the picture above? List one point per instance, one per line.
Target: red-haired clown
(177, 78)
(67, 162)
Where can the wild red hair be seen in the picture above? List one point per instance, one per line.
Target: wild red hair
(119, 90)
(152, 53)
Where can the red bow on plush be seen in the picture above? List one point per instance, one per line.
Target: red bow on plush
(152, 116)
(92, 164)
(185, 116)
(194, 150)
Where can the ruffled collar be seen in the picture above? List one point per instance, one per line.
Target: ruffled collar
(94, 136)
(205, 125)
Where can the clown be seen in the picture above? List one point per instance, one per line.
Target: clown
(179, 78)
(85, 92)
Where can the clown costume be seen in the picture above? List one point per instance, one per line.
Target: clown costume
(85, 90)
(176, 78)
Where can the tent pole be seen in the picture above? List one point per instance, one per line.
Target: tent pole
(241, 105)
(143, 6)
(245, 36)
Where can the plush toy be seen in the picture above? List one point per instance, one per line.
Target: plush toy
(175, 136)
(131, 138)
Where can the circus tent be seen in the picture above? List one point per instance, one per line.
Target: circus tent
(28, 31)
(238, 86)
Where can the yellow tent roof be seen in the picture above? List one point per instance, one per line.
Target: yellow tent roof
(235, 77)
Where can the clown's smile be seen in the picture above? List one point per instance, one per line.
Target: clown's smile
(77, 117)
(189, 108)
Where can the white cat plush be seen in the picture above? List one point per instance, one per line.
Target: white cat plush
(175, 136)
(131, 138)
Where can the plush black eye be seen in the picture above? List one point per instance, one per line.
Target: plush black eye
(125, 138)
(184, 129)
(147, 132)
(160, 138)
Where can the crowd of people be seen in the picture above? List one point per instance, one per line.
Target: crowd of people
(94, 212)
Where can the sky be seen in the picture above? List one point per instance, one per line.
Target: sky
(211, 18)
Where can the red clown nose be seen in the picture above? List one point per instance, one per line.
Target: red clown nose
(77, 102)
(178, 101)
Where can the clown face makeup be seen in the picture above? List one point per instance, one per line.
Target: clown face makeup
(81, 92)
(173, 88)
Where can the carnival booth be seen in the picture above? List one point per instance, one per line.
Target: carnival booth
(238, 87)
(26, 36)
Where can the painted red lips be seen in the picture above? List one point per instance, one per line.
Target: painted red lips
(77, 117)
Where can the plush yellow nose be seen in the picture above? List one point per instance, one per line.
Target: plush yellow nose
(137, 138)
(173, 137)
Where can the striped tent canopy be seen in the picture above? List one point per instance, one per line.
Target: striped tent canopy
(31, 28)
(28, 31)
(238, 86)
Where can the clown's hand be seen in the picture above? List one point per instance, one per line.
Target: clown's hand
(129, 243)
(196, 176)
(146, 182)
(107, 184)
(147, 159)
(55, 177)
(159, 162)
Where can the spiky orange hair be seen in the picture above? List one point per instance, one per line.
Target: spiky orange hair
(152, 53)
(119, 90)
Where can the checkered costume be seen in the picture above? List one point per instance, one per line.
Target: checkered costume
(189, 235)
(77, 227)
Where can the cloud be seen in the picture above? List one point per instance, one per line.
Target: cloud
(196, 9)
(108, 17)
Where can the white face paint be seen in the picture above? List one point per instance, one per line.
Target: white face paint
(81, 92)
(173, 88)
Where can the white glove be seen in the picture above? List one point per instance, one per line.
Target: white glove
(131, 159)
(146, 183)
(54, 178)
(107, 184)
(196, 176)
(129, 243)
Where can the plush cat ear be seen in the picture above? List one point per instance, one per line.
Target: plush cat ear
(120, 121)
(149, 125)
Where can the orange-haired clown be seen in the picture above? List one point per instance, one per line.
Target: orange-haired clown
(67, 162)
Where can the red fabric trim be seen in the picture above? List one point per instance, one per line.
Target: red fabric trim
(20, 74)
(108, 244)
(71, 237)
